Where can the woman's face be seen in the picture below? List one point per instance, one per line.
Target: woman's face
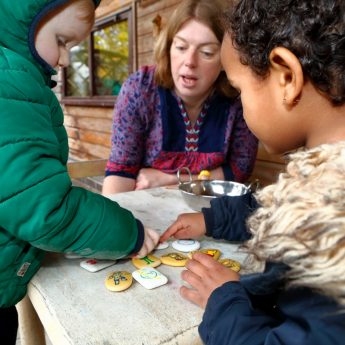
(195, 61)
(262, 101)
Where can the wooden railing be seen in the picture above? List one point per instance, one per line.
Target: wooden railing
(81, 169)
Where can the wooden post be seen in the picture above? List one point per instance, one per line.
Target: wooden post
(31, 330)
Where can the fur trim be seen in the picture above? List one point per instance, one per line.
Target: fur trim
(302, 221)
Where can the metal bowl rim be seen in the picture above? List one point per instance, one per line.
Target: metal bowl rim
(209, 182)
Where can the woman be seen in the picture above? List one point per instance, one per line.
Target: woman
(181, 112)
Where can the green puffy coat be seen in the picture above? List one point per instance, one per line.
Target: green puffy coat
(39, 209)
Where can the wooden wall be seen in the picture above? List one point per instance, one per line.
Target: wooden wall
(146, 29)
(89, 128)
(267, 167)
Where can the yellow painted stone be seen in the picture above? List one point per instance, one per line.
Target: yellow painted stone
(146, 261)
(204, 175)
(174, 259)
(118, 281)
(232, 264)
(215, 253)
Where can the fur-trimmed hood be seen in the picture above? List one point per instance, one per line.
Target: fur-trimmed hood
(302, 220)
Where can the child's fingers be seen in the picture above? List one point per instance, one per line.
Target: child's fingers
(205, 260)
(191, 278)
(150, 242)
(197, 268)
(183, 234)
(165, 236)
(154, 235)
(192, 296)
(172, 229)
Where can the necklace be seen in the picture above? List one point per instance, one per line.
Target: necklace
(192, 132)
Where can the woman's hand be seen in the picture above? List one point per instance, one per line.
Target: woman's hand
(187, 225)
(150, 242)
(204, 274)
(150, 178)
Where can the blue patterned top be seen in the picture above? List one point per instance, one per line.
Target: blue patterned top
(150, 129)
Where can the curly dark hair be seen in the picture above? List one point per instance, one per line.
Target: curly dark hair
(314, 30)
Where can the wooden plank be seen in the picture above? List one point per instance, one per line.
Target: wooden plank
(107, 7)
(77, 155)
(145, 59)
(88, 150)
(154, 8)
(145, 24)
(30, 327)
(263, 155)
(94, 124)
(99, 113)
(92, 137)
(146, 44)
(266, 172)
(86, 168)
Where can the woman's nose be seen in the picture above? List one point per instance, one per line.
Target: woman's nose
(191, 58)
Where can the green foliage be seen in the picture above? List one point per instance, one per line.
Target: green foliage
(110, 58)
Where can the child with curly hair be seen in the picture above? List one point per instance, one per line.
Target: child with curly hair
(287, 59)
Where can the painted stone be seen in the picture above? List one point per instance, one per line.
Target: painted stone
(146, 261)
(118, 281)
(174, 259)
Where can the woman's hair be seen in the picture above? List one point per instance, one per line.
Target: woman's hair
(313, 30)
(206, 12)
(301, 221)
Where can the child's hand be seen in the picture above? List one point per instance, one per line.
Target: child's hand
(150, 242)
(204, 274)
(187, 225)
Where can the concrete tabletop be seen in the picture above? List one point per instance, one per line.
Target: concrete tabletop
(76, 308)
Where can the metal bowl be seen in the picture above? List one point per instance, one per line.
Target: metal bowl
(198, 194)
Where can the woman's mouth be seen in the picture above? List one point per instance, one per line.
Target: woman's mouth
(188, 81)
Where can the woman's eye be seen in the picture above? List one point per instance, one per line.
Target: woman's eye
(178, 47)
(207, 54)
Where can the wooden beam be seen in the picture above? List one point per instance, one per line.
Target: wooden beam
(86, 168)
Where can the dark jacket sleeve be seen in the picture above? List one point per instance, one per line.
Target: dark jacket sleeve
(226, 218)
(305, 318)
(229, 318)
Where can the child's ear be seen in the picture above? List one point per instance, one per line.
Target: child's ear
(290, 74)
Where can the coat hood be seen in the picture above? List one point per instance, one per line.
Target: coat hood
(302, 221)
(18, 22)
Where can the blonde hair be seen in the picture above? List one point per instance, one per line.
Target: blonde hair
(204, 11)
(302, 221)
(87, 11)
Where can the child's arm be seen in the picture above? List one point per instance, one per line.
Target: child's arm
(187, 225)
(225, 219)
(229, 318)
(299, 316)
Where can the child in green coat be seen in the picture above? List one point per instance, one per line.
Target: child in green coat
(40, 210)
